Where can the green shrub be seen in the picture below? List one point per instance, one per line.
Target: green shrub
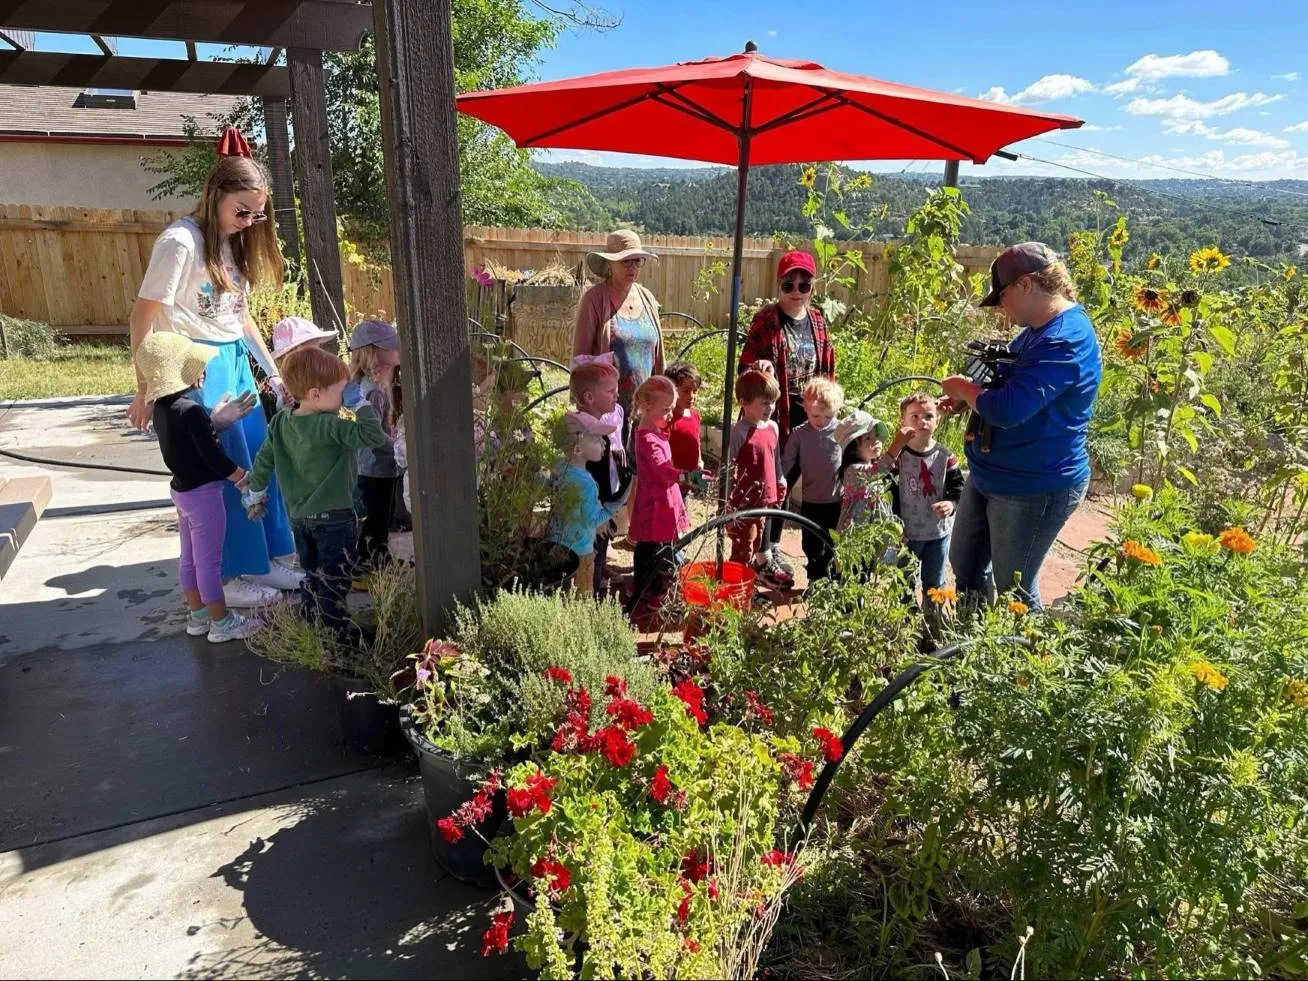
(28, 338)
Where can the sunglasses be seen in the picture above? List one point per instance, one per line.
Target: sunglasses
(253, 216)
(635, 262)
(790, 285)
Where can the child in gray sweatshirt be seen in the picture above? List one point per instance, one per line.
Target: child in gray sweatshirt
(812, 450)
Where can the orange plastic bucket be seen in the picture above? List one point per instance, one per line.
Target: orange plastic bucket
(703, 590)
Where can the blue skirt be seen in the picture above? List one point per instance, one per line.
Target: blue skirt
(249, 545)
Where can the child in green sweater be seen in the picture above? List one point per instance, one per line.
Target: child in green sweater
(312, 450)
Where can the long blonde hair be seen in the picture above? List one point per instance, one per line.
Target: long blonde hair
(254, 249)
(1055, 280)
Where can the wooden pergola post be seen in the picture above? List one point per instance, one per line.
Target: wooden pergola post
(313, 168)
(415, 70)
(279, 166)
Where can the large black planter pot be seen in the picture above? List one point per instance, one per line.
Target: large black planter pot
(368, 725)
(445, 787)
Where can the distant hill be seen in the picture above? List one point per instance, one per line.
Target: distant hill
(1169, 216)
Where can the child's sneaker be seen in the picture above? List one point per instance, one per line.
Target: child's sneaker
(197, 623)
(779, 558)
(773, 574)
(232, 627)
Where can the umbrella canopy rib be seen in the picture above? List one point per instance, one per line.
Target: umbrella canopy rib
(583, 120)
(687, 105)
(900, 124)
(807, 111)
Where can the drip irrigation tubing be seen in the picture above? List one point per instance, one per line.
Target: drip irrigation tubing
(892, 383)
(886, 696)
(112, 468)
(702, 337)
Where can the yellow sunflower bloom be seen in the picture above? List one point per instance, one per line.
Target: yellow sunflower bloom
(1206, 674)
(808, 176)
(1151, 300)
(1289, 273)
(1132, 352)
(1208, 260)
(1237, 540)
(1132, 549)
(1155, 261)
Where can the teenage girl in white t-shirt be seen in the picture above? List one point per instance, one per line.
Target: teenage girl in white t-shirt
(201, 272)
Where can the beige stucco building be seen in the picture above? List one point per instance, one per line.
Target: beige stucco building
(59, 147)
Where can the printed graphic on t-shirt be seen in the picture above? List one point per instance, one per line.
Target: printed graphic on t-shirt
(211, 304)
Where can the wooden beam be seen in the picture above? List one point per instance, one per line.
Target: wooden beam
(279, 165)
(325, 24)
(313, 169)
(104, 45)
(190, 51)
(18, 40)
(150, 74)
(415, 71)
(273, 55)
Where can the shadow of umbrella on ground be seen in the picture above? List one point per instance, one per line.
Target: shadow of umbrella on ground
(351, 890)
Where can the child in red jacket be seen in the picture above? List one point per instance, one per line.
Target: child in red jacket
(758, 480)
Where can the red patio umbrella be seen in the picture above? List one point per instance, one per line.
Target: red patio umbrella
(748, 109)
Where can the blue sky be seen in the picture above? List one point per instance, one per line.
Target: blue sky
(1221, 89)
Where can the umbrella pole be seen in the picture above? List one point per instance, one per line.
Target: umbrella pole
(737, 257)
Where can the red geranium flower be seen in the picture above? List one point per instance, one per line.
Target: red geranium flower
(614, 686)
(561, 675)
(832, 748)
(661, 786)
(575, 731)
(556, 875)
(693, 696)
(520, 802)
(713, 889)
(450, 831)
(614, 744)
(683, 907)
(496, 939)
(629, 714)
(692, 945)
(778, 858)
(694, 868)
(754, 707)
(798, 770)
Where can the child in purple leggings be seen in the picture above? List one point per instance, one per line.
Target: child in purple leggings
(172, 366)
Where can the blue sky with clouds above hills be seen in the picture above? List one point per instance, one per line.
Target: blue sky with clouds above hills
(1220, 89)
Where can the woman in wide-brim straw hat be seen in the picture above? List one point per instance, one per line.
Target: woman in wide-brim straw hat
(618, 314)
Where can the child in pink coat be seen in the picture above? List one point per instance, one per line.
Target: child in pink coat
(658, 514)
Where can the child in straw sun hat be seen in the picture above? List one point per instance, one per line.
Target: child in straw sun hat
(173, 366)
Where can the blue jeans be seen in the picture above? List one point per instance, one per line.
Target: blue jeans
(998, 537)
(325, 545)
(932, 555)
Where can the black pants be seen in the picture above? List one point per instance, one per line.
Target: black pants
(378, 495)
(816, 551)
(324, 544)
(775, 525)
(654, 564)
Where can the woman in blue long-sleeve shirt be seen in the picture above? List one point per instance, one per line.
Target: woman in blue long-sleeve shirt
(1025, 480)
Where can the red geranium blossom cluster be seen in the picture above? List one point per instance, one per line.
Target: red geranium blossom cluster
(754, 707)
(556, 875)
(797, 770)
(693, 696)
(575, 731)
(613, 743)
(534, 796)
(695, 869)
(471, 812)
(832, 748)
(629, 714)
(661, 786)
(562, 675)
(496, 939)
(778, 858)
(614, 686)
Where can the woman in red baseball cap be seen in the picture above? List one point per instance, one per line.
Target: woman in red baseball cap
(789, 338)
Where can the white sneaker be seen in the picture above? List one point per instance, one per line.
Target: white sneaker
(197, 626)
(232, 627)
(278, 576)
(243, 593)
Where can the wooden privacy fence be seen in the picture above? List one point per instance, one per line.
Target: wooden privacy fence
(79, 268)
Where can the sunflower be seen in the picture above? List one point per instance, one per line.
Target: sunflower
(1289, 273)
(946, 594)
(1206, 674)
(860, 182)
(1189, 298)
(1140, 553)
(1132, 352)
(1119, 236)
(1237, 540)
(1150, 300)
(1208, 260)
(1155, 261)
(1018, 608)
(1171, 316)
(808, 176)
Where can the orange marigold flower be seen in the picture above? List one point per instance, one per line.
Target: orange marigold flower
(1237, 540)
(1141, 553)
(1019, 608)
(945, 594)
(1206, 674)
(1296, 692)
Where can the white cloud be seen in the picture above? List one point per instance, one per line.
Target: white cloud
(1297, 127)
(1196, 64)
(1043, 89)
(1124, 87)
(1216, 161)
(1092, 128)
(1239, 135)
(772, 33)
(1183, 107)
(1287, 77)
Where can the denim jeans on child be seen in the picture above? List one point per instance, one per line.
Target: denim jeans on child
(325, 544)
(999, 536)
(932, 555)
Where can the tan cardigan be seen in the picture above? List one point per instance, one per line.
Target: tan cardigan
(594, 330)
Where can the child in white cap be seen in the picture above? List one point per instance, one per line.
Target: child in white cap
(577, 514)
(173, 366)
